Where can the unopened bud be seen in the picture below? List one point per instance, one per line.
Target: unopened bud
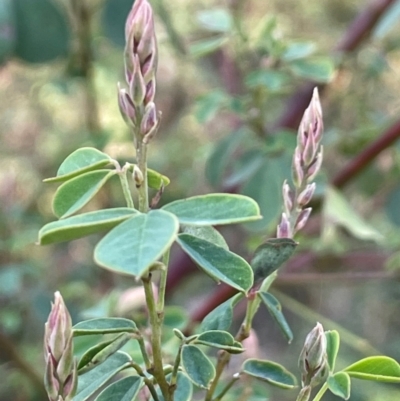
(313, 359)
(150, 91)
(71, 384)
(59, 356)
(51, 384)
(306, 195)
(149, 119)
(137, 176)
(316, 166)
(302, 219)
(137, 86)
(126, 107)
(310, 148)
(288, 197)
(137, 19)
(149, 63)
(297, 168)
(284, 230)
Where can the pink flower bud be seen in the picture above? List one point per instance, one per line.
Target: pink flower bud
(297, 168)
(302, 219)
(137, 86)
(310, 149)
(140, 16)
(313, 360)
(288, 197)
(58, 328)
(316, 166)
(149, 119)
(59, 356)
(284, 230)
(305, 196)
(126, 107)
(51, 384)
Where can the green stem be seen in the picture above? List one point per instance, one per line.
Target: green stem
(141, 154)
(147, 381)
(174, 374)
(227, 387)
(125, 188)
(304, 394)
(244, 331)
(321, 392)
(156, 325)
(144, 353)
(163, 282)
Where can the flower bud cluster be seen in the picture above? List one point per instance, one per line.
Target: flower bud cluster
(313, 361)
(136, 103)
(61, 371)
(306, 163)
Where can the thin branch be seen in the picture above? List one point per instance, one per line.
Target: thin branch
(357, 164)
(294, 274)
(356, 33)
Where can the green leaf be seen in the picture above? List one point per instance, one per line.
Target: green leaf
(184, 388)
(74, 194)
(113, 19)
(136, 244)
(100, 352)
(125, 389)
(221, 156)
(270, 372)
(298, 50)
(208, 233)
(332, 347)
(207, 46)
(79, 162)
(337, 211)
(218, 263)
(156, 180)
(42, 31)
(208, 105)
(198, 367)
(275, 309)
(90, 382)
(273, 81)
(375, 368)
(216, 20)
(319, 69)
(214, 209)
(7, 29)
(219, 339)
(270, 255)
(340, 385)
(221, 317)
(104, 325)
(84, 224)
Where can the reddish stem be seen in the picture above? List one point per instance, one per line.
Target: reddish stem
(356, 33)
(357, 164)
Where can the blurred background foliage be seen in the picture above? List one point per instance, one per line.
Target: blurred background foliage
(231, 74)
